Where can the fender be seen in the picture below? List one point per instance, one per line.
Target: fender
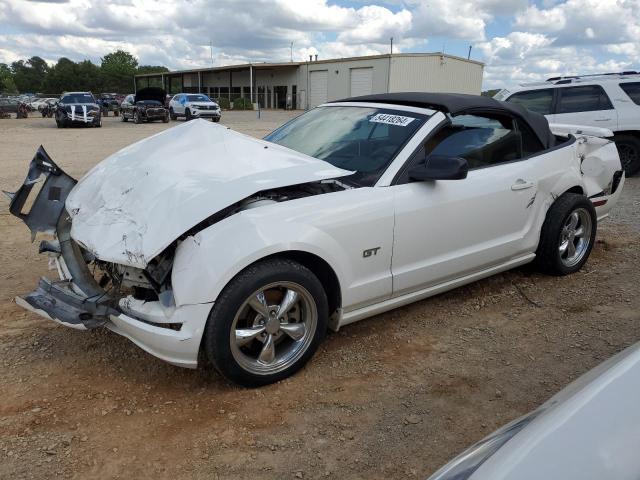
(205, 262)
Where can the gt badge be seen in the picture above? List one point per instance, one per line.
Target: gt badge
(370, 252)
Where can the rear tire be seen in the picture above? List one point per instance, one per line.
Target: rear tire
(629, 151)
(188, 115)
(567, 236)
(254, 349)
(172, 115)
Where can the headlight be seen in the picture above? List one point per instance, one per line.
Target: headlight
(465, 464)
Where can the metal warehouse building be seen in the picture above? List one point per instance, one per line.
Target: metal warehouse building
(304, 85)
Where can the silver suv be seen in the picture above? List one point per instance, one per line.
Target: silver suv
(609, 100)
(194, 105)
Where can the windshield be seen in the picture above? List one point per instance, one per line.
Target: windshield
(362, 139)
(198, 98)
(78, 98)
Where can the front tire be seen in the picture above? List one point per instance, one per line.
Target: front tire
(136, 118)
(568, 234)
(188, 115)
(172, 115)
(629, 151)
(267, 323)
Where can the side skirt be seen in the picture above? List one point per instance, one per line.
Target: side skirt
(371, 310)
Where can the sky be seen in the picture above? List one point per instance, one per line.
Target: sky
(519, 40)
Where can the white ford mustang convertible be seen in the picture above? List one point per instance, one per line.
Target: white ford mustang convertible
(202, 244)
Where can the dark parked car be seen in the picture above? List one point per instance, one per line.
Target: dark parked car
(78, 108)
(9, 104)
(109, 103)
(146, 105)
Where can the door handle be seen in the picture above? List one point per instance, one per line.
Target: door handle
(521, 185)
(602, 120)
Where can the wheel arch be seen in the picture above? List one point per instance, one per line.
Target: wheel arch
(321, 269)
(317, 265)
(575, 189)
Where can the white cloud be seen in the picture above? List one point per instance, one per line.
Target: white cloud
(463, 19)
(522, 57)
(548, 38)
(591, 21)
(178, 33)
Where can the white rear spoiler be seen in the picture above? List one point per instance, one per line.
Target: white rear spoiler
(565, 129)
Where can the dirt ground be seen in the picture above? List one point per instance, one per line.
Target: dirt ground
(394, 396)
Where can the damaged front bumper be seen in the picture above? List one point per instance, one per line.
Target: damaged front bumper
(77, 300)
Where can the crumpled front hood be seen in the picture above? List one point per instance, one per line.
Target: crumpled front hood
(132, 205)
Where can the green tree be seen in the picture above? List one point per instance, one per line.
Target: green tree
(118, 69)
(7, 85)
(61, 77)
(151, 69)
(89, 76)
(29, 76)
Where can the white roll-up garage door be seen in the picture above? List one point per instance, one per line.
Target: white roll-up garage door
(361, 81)
(317, 87)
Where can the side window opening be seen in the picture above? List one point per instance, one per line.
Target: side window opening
(539, 101)
(587, 98)
(632, 89)
(482, 141)
(530, 142)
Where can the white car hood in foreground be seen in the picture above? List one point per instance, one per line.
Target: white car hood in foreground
(132, 205)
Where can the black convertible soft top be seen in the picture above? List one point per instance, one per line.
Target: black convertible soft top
(459, 103)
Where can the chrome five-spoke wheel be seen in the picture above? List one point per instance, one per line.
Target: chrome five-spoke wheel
(575, 237)
(568, 234)
(273, 328)
(267, 322)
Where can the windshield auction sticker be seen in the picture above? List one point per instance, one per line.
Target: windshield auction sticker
(391, 119)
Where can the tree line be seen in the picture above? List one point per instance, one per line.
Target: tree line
(34, 75)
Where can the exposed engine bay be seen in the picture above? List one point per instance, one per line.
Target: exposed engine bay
(153, 282)
(90, 290)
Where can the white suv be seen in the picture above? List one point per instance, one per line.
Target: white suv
(610, 100)
(194, 105)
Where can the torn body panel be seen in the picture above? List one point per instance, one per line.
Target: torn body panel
(77, 299)
(600, 165)
(183, 175)
(136, 302)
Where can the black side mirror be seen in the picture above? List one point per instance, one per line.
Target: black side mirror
(440, 167)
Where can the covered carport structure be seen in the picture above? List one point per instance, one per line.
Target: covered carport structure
(271, 85)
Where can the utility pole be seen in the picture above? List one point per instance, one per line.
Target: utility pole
(211, 51)
(391, 51)
(291, 51)
(469, 55)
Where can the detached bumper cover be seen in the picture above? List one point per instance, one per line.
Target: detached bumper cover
(78, 300)
(58, 301)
